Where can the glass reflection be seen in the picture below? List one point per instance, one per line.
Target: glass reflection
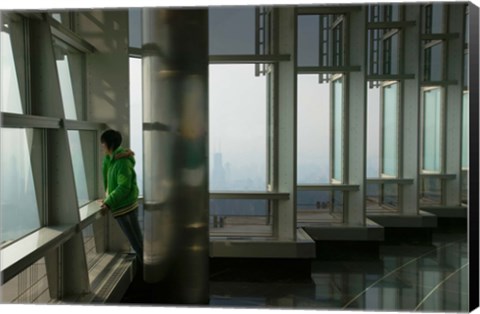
(240, 217)
(432, 130)
(10, 91)
(337, 130)
(19, 209)
(238, 128)
(319, 207)
(390, 130)
(308, 40)
(430, 191)
(406, 277)
(313, 131)
(136, 118)
(70, 68)
(231, 30)
(82, 157)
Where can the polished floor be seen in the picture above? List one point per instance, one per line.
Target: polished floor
(406, 276)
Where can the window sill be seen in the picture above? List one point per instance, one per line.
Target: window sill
(26, 251)
(89, 213)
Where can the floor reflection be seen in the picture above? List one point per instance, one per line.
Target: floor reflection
(410, 277)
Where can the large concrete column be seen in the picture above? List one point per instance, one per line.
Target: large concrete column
(175, 100)
(286, 219)
(410, 128)
(356, 111)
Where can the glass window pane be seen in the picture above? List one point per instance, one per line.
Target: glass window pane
(239, 217)
(390, 130)
(136, 118)
(390, 196)
(395, 16)
(83, 161)
(11, 44)
(308, 37)
(394, 56)
(30, 286)
(64, 18)
(238, 128)
(319, 206)
(373, 201)
(466, 69)
(373, 134)
(432, 127)
(437, 18)
(430, 191)
(436, 62)
(337, 35)
(465, 130)
(337, 129)
(19, 207)
(135, 27)
(70, 75)
(313, 131)
(231, 30)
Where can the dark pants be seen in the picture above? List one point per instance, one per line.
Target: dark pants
(131, 228)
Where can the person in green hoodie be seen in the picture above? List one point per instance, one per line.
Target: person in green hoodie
(120, 182)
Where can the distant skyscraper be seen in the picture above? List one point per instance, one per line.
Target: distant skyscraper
(217, 180)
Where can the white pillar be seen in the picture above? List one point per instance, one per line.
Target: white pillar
(286, 219)
(410, 109)
(356, 116)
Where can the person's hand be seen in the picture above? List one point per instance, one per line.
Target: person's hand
(104, 208)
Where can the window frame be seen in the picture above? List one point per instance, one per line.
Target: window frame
(387, 84)
(441, 134)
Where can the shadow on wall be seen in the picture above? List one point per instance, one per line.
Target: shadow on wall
(108, 67)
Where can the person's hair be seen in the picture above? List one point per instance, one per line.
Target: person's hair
(112, 139)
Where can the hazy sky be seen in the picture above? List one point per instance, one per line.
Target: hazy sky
(237, 101)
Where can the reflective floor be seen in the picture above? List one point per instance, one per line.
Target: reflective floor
(407, 276)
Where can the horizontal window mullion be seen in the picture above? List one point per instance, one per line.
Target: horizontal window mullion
(82, 125)
(435, 84)
(13, 120)
(328, 187)
(249, 195)
(314, 10)
(328, 69)
(439, 37)
(69, 37)
(391, 77)
(388, 25)
(389, 181)
(444, 176)
(219, 59)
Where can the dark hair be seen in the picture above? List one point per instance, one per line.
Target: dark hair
(112, 139)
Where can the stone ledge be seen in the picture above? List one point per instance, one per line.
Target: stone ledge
(303, 247)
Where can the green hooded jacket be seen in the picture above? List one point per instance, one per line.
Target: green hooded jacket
(120, 182)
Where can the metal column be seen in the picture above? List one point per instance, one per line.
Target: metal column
(175, 103)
